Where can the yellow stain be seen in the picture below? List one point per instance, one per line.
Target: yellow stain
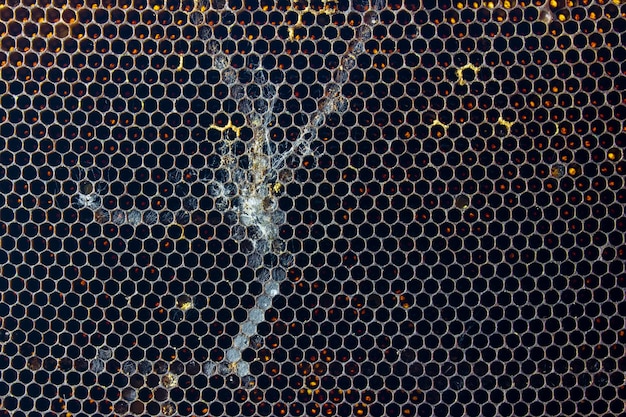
(277, 188)
(436, 122)
(505, 123)
(459, 72)
(169, 380)
(230, 125)
(182, 231)
(613, 154)
(326, 9)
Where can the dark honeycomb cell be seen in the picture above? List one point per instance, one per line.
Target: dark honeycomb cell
(343, 208)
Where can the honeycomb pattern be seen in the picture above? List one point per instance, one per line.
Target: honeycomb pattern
(217, 207)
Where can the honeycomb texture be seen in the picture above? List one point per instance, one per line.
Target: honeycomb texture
(244, 208)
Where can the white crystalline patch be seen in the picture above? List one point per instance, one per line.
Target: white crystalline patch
(254, 260)
(221, 203)
(233, 355)
(264, 302)
(97, 366)
(272, 288)
(105, 353)
(220, 61)
(243, 369)
(209, 368)
(134, 217)
(256, 315)
(248, 328)
(223, 369)
(229, 76)
(263, 275)
(118, 217)
(279, 275)
(240, 342)
(349, 62)
(215, 189)
(129, 367)
(364, 32)
(341, 76)
(317, 120)
(253, 213)
(150, 217)
(341, 104)
(90, 201)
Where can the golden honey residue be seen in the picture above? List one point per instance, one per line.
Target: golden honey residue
(184, 302)
(169, 380)
(277, 188)
(437, 122)
(507, 124)
(325, 9)
(574, 170)
(459, 72)
(614, 154)
(229, 125)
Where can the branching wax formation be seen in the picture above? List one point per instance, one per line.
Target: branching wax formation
(252, 172)
(312, 207)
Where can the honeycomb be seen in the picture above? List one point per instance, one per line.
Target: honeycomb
(312, 207)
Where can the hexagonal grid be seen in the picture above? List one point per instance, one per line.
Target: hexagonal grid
(303, 208)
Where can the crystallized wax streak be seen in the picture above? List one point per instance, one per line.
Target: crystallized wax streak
(258, 181)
